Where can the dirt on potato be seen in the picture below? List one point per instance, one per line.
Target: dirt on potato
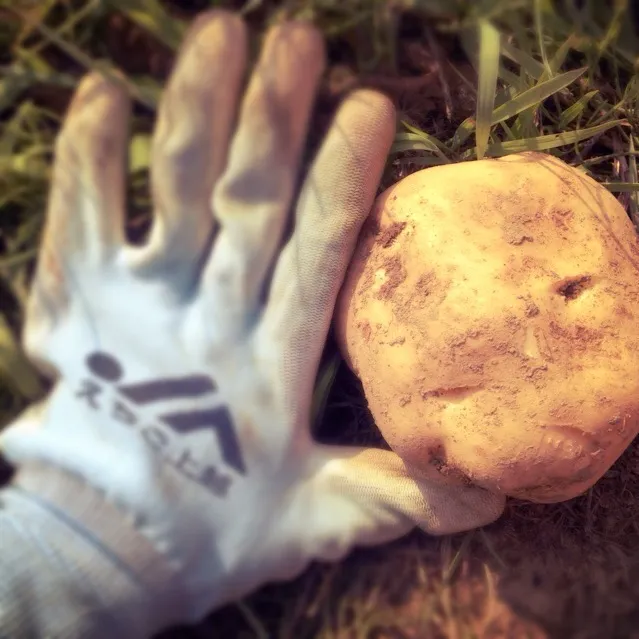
(519, 375)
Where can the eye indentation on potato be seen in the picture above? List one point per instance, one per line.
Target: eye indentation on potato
(572, 287)
(438, 459)
(453, 393)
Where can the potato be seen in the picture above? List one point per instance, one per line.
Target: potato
(490, 311)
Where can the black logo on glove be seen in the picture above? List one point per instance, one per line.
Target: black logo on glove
(217, 419)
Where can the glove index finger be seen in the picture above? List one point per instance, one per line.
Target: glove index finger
(87, 200)
(340, 188)
(334, 201)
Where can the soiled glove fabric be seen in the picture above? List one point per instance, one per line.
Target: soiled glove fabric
(172, 469)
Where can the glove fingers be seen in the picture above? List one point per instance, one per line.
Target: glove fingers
(334, 201)
(85, 216)
(366, 496)
(253, 198)
(190, 143)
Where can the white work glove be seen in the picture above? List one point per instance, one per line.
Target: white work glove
(185, 367)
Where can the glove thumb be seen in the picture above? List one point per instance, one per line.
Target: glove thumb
(367, 496)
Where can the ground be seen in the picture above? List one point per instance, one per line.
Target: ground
(568, 570)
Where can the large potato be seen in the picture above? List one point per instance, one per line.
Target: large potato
(491, 312)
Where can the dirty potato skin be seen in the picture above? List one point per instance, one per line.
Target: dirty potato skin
(491, 311)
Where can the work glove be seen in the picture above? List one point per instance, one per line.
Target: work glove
(184, 366)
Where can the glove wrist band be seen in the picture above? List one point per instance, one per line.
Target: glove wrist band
(120, 548)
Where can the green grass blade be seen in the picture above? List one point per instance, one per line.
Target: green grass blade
(512, 79)
(535, 95)
(140, 93)
(614, 26)
(18, 259)
(634, 177)
(151, 16)
(139, 152)
(463, 132)
(15, 368)
(412, 143)
(575, 110)
(14, 83)
(525, 100)
(627, 43)
(505, 95)
(508, 131)
(539, 30)
(323, 385)
(622, 187)
(561, 54)
(402, 146)
(547, 142)
(489, 48)
(531, 66)
(428, 142)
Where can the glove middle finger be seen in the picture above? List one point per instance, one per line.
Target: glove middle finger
(190, 143)
(253, 197)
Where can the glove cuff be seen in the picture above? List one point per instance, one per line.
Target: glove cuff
(102, 549)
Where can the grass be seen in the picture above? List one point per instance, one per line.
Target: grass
(470, 79)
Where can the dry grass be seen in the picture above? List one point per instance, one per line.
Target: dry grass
(470, 79)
